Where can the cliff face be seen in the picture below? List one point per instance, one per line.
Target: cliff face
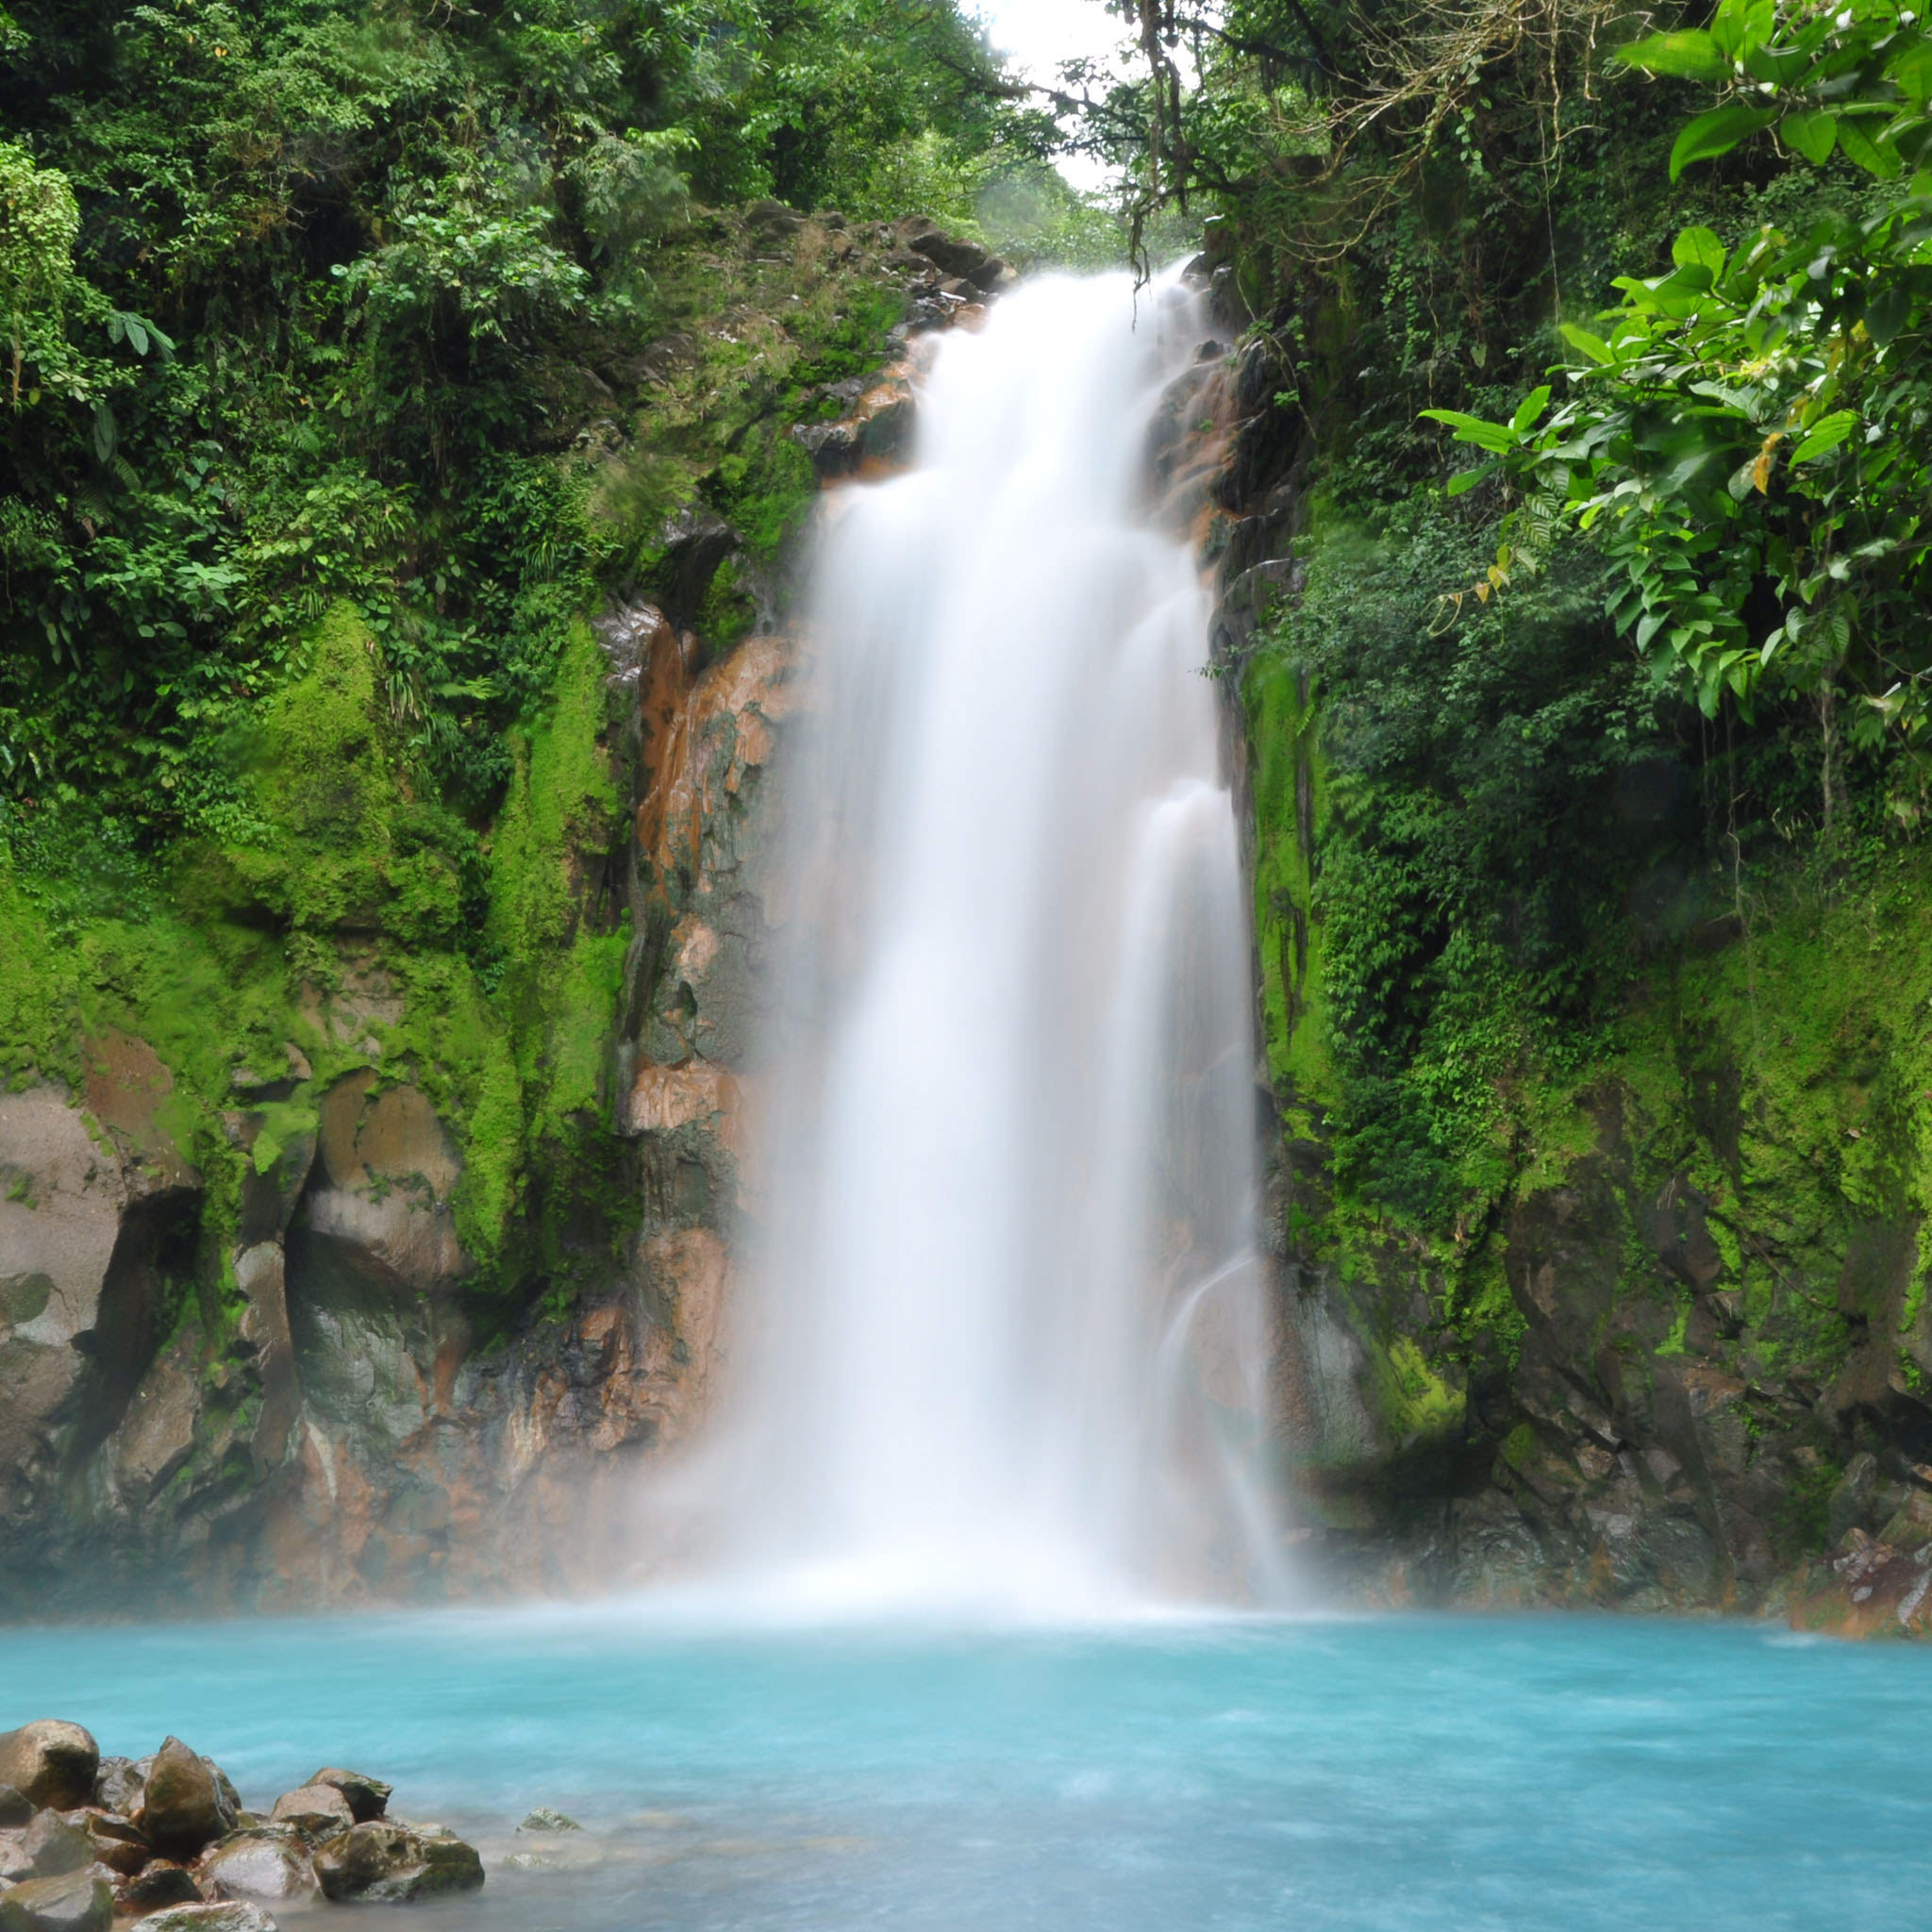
(367, 1195)
(1677, 1355)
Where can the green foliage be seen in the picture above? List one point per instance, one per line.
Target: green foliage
(1491, 796)
(1747, 432)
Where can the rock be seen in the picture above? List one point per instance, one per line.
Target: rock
(16, 1808)
(544, 1819)
(187, 1804)
(115, 1841)
(162, 1882)
(368, 1797)
(385, 1860)
(56, 1845)
(264, 1863)
(50, 1763)
(14, 1862)
(72, 1902)
(952, 256)
(319, 1810)
(223, 1915)
(118, 1785)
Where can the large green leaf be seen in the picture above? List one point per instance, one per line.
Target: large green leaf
(1699, 248)
(1491, 436)
(1826, 435)
(1813, 135)
(1717, 133)
(1580, 339)
(1692, 55)
(1875, 158)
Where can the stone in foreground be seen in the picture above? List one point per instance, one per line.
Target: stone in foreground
(119, 1784)
(322, 1810)
(384, 1862)
(16, 1808)
(367, 1797)
(161, 1883)
(186, 1805)
(227, 1915)
(74, 1901)
(264, 1863)
(56, 1846)
(51, 1764)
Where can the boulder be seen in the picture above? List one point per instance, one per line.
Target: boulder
(162, 1882)
(222, 1915)
(16, 1808)
(265, 1863)
(71, 1901)
(385, 1862)
(321, 1810)
(368, 1797)
(186, 1803)
(544, 1819)
(118, 1785)
(56, 1845)
(114, 1841)
(14, 1862)
(50, 1763)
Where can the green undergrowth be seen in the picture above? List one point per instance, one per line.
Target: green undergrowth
(348, 925)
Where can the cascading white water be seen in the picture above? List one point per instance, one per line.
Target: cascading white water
(1005, 1344)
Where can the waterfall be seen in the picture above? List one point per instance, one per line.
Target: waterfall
(1005, 1342)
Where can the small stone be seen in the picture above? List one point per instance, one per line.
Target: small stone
(118, 1785)
(50, 1763)
(161, 1883)
(221, 1915)
(385, 1861)
(56, 1846)
(265, 1863)
(368, 1796)
(71, 1901)
(118, 1842)
(185, 1805)
(544, 1819)
(321, 1810)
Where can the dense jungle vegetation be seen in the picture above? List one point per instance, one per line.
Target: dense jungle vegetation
(354, 355)
(1594, 418)
(1596, 701)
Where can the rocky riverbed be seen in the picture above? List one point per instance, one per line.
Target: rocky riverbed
(87, 1841)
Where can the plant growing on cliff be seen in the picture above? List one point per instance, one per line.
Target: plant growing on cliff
(1746, 433)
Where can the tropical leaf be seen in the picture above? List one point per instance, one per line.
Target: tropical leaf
(1813, 135)
(1717, 133)
(1691, 55)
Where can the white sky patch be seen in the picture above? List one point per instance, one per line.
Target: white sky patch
(1039, 35)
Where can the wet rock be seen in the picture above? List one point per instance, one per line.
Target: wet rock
(162, 1882)
(544, 1819)
(54, 1845)
(319, 1810)
(117, 1843)
(367, 1797)
(118, 1785)
(72, 1902)
(387, 1861)
(186, 1805)
(260, 1863)
(221, 1915)
(50, 1763)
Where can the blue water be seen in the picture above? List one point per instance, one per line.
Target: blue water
(1401, 1775)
